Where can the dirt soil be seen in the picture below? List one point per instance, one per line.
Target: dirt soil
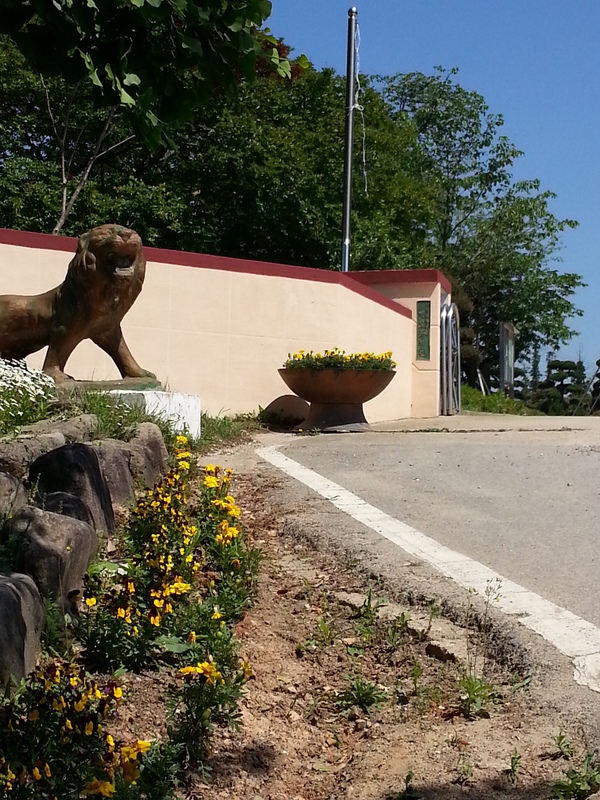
(317, 629)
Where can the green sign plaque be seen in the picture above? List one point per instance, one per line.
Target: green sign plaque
(423, 330)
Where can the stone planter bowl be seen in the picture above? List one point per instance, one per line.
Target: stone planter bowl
(336, 396)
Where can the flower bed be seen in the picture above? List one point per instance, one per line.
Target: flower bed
(338, 359)
(184, 575)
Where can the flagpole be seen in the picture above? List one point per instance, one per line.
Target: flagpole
(349, 136)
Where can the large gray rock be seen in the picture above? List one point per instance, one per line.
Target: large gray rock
(21, 624)
(75, 429)
(54, 549)
(17, 455)
(12, 495)
(75, 469)
(66, 504)
(155, 457)
(118, 462)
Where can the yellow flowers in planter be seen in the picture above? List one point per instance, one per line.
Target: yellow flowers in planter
(338, 359)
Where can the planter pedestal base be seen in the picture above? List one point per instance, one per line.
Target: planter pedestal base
(336, 396)
(333, 415)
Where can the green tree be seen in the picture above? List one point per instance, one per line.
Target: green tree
(565, 390)
(151, 62)
(496, 238)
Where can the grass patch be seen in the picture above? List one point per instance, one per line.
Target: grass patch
(218, 431)
(497, 403)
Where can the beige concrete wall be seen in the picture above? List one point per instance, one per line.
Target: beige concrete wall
(223, 334)
(425, 400)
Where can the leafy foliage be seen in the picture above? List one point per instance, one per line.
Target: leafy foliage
(155, 58)
(496, 239)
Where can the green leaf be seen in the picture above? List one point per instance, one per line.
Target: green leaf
(92, 71)
(172, 644)
(131, 79)
(126, 98)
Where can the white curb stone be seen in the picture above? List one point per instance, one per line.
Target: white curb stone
(183, 410)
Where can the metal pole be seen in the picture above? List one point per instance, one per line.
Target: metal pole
(349, 137)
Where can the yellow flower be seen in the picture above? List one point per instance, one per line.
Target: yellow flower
(206, 668)
(246, 667)
(143, 746)
(118, 692)
(91, 601)
(121, 613)
(216, 613)
(110, 742)
(79, 705)
(103, 788)
(89, 728)
(211, 482)
(181, 439)
(192, 636)
(36, 774)
(47, 771)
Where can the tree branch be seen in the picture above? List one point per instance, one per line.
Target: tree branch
(86, 172)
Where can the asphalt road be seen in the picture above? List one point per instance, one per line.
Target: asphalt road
(525, 503)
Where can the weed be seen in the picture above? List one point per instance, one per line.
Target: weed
(303, 647)
(416, 674)
(519, 682)
(479, 645)
(475, 696)
(580, 784)
(326, 633)
(563, 746)
(409, 792)
(367, 617)
(464, 771)
(512, 772)
(396, 631)
(434, 612)
(362, 693)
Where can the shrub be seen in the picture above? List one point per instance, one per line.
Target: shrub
(53, 742)
(24, 394)
(497, 403)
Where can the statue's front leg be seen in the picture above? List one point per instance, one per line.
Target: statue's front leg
(113, 343)
(62, 343)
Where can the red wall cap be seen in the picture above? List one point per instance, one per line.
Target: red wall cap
(45, 241)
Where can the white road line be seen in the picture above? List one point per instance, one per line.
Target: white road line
(572, 635)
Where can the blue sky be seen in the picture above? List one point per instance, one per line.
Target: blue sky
(536, 62)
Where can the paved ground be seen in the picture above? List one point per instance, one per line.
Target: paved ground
(525, 503)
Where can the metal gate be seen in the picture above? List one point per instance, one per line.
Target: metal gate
(450, 360)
